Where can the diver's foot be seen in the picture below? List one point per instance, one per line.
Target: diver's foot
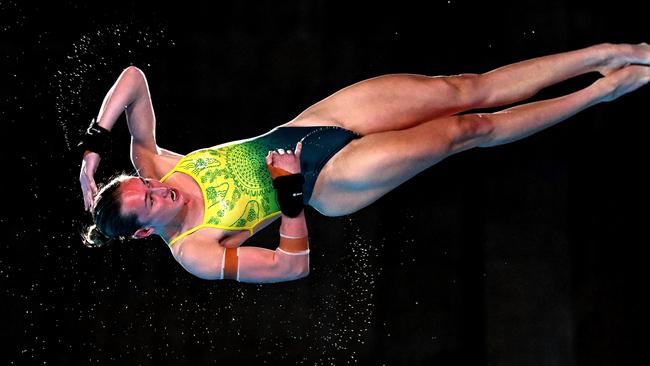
(624, 80)
(622, 55)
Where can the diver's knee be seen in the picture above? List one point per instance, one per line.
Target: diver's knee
(471, 130)
(329, 208)
(468, 89)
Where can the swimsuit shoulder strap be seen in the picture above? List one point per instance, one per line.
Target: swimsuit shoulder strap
(188, 232)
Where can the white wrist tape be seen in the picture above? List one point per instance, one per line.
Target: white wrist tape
(223, 263)
(292, 237)
(302, 252)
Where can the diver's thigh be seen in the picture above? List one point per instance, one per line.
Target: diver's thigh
(389, 102)
(311, 121)
(369, 167)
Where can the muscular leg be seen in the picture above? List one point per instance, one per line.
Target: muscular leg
(373, 165)
(401, 101)
(370, 167)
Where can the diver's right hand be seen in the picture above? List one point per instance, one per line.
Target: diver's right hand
(283, 162)
(86, 178)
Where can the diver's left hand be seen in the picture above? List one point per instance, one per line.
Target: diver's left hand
(287, 160)
(87, 180)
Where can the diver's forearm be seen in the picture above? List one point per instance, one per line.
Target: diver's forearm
(123, 93)
(294, 226)
(294, 235)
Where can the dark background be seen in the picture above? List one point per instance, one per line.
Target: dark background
(533, 253)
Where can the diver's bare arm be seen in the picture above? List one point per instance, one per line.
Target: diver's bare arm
(205, 259)
(130, 93)
(288, 262)
(257, 265)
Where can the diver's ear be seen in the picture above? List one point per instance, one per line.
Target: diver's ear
(142, 233)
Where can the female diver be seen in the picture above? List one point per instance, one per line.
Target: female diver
(338, 156)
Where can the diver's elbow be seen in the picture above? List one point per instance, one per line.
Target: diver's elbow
(301, 272)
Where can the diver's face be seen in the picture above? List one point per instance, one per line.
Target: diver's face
(156, 204)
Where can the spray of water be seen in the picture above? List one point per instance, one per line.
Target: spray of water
(91, 65)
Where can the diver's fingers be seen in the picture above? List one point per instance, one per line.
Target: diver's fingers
(298, 149)
(93, 187)
(84, 191)
(87, 200)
